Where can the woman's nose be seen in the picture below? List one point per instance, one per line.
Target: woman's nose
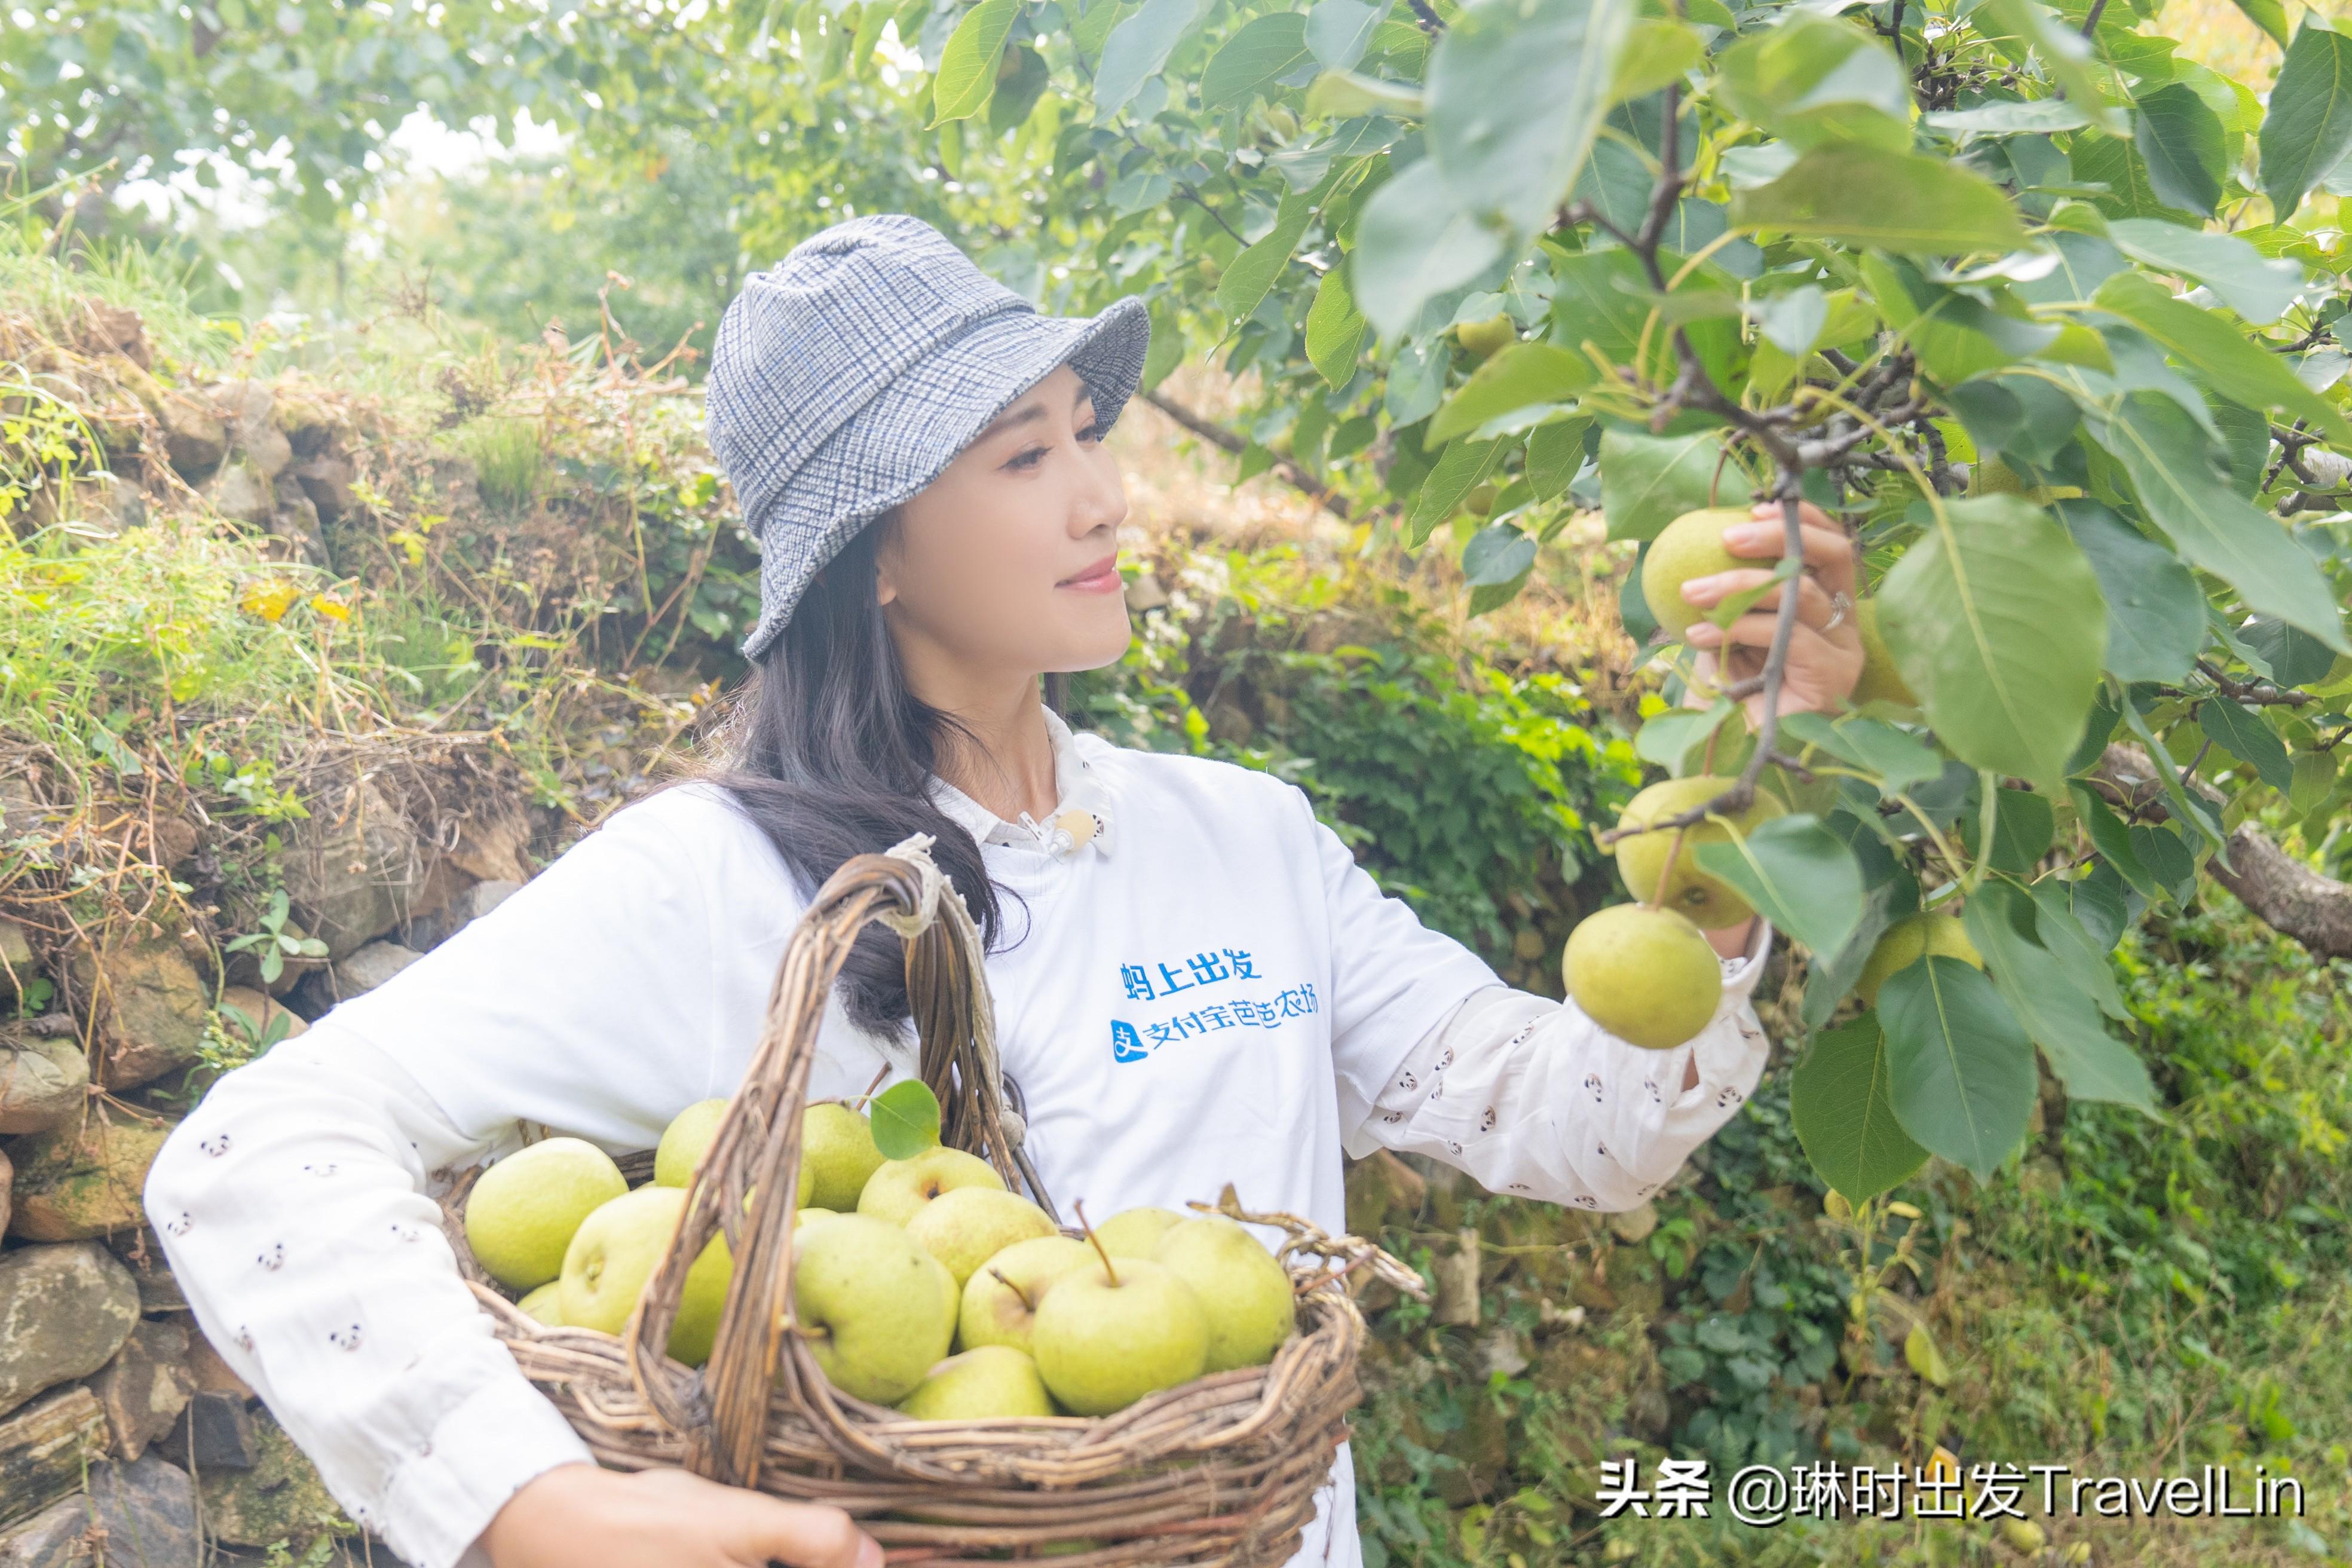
(1102, 496)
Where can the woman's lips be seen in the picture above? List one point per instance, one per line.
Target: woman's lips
(1102, 577)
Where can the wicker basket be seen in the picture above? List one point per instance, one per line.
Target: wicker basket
(1224, 1469)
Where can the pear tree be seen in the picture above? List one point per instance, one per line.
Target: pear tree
(2052, 320)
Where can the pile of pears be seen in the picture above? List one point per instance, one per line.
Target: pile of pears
(920, 1283)
(1645, 971)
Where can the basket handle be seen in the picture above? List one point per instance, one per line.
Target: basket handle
(747, 1185)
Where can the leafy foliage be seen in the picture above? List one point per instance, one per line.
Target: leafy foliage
(1957, 275)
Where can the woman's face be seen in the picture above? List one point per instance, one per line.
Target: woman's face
(1007, 563)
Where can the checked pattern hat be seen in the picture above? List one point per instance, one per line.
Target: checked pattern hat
(850, 373)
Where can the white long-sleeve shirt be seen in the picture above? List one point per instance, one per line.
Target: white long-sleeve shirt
(1205, 988)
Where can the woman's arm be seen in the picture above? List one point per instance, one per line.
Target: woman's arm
(1532, 1097)
(293, 1209)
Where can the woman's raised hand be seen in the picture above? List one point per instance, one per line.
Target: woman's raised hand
(580, 1516)
(1825, 649)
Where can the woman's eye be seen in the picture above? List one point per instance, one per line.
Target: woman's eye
(1028, 459)
(1091, 432)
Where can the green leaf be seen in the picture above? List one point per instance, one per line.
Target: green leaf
(1247, 280)
(2057, 1015)
(1955, 336)
(1516, 89)
(2240, 730)
(2066, 54)
(905, 1118)
(2180, 139)
(2022, 824)
(1792, 321)
(1338, 31)
(1596, 304)
(1496, 555)
(1798, 874)
(967, 74)
(2112, 840)
(1901, 202)
(1647, 482)
(1521, 374)
(2059, 929)
(1460, 467)
(1960, 1069)
(2307, 131)
(1555, 454)
(1267, 48)
(1887, 754)
(2235, 366)
(2010, 117)
(1812, 79)
(1414, 240)
(1335, 330)
(2258, 287)
(1996, 620)
(1345, 95)
(2156, 612)
(1841, 1104)
(1658, 54)
(2111, 161)
(1669, 738)
(2170, 464)
(1137, 50)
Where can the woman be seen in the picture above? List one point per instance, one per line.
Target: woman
(1194, 982)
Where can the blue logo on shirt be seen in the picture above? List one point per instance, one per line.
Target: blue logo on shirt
(1125, 1046)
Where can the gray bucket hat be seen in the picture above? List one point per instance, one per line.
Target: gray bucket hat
(850, 373)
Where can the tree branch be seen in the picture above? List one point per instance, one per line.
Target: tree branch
(1302, 480)
(2282, 891)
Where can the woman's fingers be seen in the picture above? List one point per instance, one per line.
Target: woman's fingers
(766, 1530)
(1829, 552)
(1813, 607)
(1806, 644)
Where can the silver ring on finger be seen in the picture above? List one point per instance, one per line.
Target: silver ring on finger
(1840, 605)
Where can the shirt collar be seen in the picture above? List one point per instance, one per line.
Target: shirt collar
(1082, 815)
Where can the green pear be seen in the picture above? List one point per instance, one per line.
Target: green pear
(999, 1300)
(1106, 1336)
(1136, 1233)
(810, 1216)
(1489, 337)
(685, 1140)
(985, 1382)
(1245, 1294)
(1879, 681)
(878, 1310)
(545, 1303)
(1908, 940)
(966, 1227)
(837, 1156)
(1690, 546)
(899, 1189)
(1646, 975)
(614, 1255)
(523, 1210)
(1703, 900)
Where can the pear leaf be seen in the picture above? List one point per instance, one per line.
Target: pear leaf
(905, 1118)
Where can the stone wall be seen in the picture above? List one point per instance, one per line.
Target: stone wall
(124, 1437)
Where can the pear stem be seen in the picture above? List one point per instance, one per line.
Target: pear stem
(1657, 898)
(1027, 1301)
(1080, 1206)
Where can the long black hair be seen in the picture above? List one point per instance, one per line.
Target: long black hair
(831, 754)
